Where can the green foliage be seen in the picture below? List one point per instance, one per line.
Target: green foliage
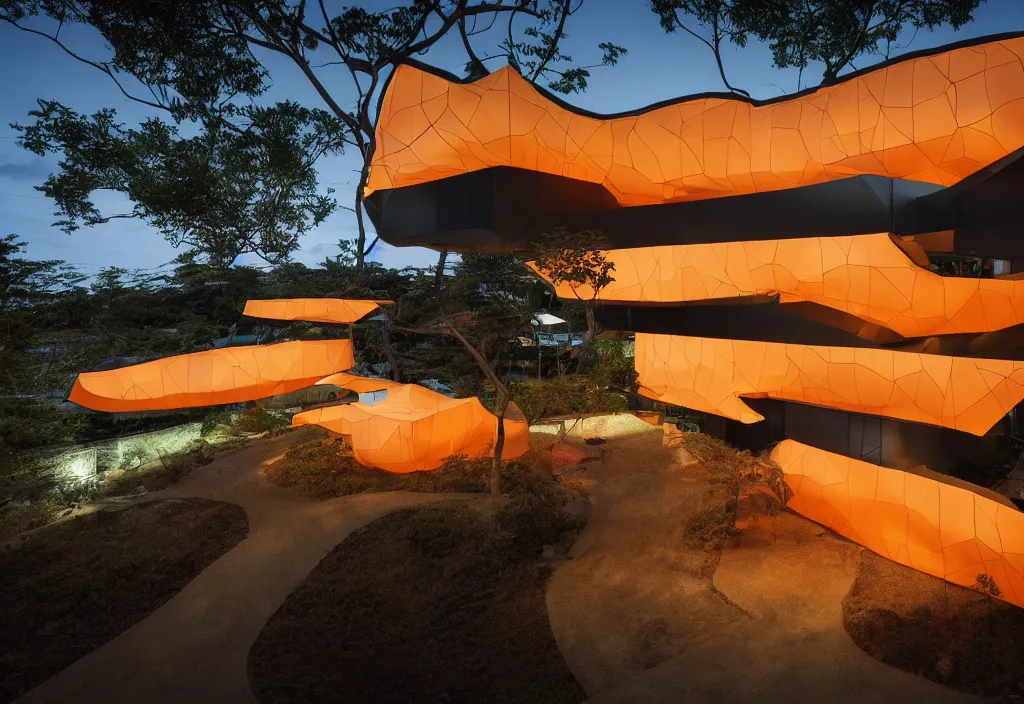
(255, 188)
(133, 458)
(24, 476)
(259, 420)
(833, 32)
(34, 295)
(986, 584)
(733, 474)
(213, 419)
(576, 259)
(564, 396)
(199, 453)
(836, 33)
(615, 367)
(220, 194)
(323, 470)
(711, 528)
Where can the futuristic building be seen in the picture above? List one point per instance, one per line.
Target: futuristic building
(791, 268)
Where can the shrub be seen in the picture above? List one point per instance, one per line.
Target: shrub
(534, 516)
(711, 527)
(564, 396)
(535, 519)
(197, 454)
(18, 517)
(260, 420)
(616, 367)
(133, 458)
(326, 469)
(458, 474)
(213, 419)
(732, 474)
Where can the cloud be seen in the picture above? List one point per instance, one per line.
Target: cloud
(36, 170)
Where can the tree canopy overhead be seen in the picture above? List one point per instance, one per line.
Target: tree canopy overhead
(832, 32)
(205, 62)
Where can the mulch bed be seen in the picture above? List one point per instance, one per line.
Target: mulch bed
(423, 605)
(71, 587)
(924, 625)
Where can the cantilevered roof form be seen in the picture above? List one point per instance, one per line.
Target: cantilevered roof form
(212, 377)
(230, 375)
(316, 310)
(415, 429)
(901, 147)
(356, 383)
(963, 393)
(868, 276)
(933, 526)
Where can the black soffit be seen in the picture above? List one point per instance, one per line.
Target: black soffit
(508, 208)
(801, 323)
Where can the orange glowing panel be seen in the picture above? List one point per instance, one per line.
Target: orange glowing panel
(866, 275)
(714, 375)
(415, 429)
(213, 377)
(358, 384)
(943, 530)
(315, 310)
(935, 119)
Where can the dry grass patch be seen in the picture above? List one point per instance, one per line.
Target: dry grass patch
(441, 604)
(71, 587)
(924, 625)
(734, 475)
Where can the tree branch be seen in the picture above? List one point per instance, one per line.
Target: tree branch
(95, 64)
(555, 38)
(715, 48)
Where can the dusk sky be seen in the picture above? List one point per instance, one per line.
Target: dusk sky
(658, 66)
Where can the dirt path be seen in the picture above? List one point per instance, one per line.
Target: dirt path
(638, 623)
(634, 595)
(194, 648)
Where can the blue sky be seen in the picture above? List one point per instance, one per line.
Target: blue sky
(34, 68)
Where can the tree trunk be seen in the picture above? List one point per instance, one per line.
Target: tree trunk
(588, 307)
(389, 351)
(439, 271)
(364, 175)
(500, 406)
(361, 241)
(499, 446)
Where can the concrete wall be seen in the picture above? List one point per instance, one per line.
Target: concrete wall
(84, 461)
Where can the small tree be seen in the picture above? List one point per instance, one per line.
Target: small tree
(576, 259)
(488, 303)
(986, 584)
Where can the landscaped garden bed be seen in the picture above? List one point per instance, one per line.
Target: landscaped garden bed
(440, 604)
(947, 633)
(69, 588)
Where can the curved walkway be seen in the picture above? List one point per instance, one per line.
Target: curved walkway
(638, 623)
(195, 647)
